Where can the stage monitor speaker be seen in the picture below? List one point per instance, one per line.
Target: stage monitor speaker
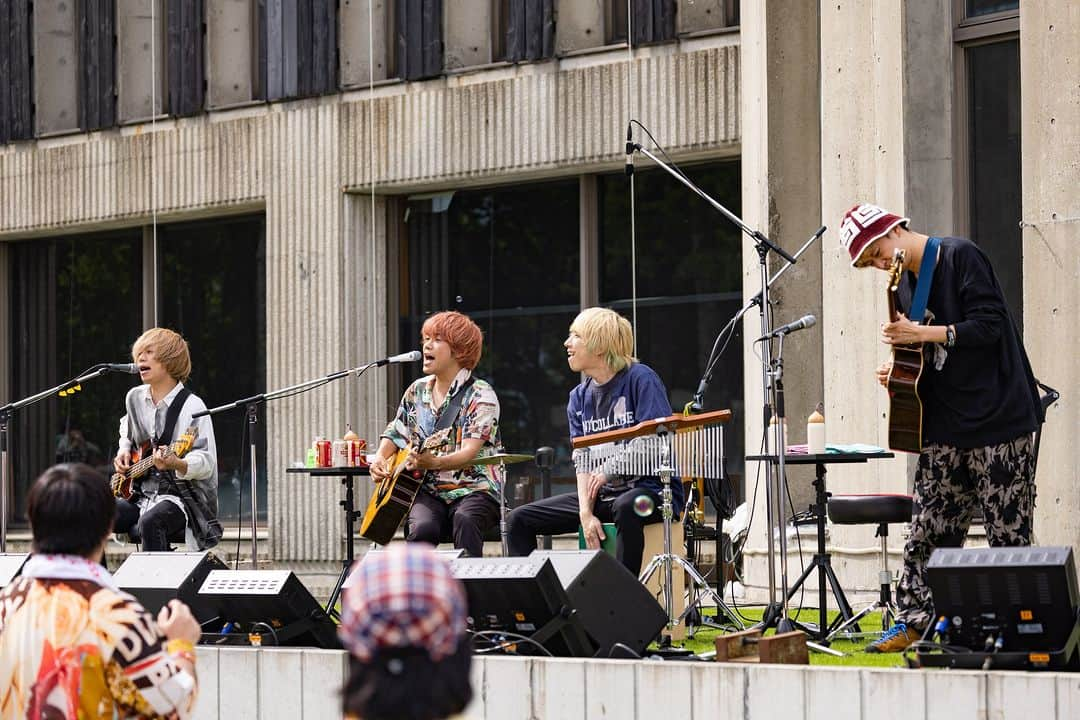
(272, 603)
(615, 608)
(576, 603)
(1023, 599)
(11, 566)
(446, 554)
(155, 578)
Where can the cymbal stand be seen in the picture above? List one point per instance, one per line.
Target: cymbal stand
(667, 560)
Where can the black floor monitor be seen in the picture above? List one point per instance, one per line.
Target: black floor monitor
(154, 578)
(521, 601)
(1005, 607)
(272, 604)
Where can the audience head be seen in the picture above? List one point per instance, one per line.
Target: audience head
(403, 618)
(71, 510)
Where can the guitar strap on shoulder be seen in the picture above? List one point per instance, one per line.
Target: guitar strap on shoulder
(171, 416)
(926, 278)
(454, 408)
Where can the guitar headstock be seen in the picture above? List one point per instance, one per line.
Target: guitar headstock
(186, 441)
(896, 269)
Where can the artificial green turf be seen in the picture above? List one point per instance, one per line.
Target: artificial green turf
(704, 641)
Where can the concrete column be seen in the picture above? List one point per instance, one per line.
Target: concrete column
(141, 63)
(362, 41)
(580, 24)
(1050, 158)
(467, 33)
(782, 198)
(231, 46)
(56, 65)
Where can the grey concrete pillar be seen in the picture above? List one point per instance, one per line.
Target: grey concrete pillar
(1050, 157)
(782, 198)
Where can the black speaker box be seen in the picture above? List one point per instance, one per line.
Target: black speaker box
(614, 606)
(11, 565)
(271, 603)
(574, 603)
(154, 578)
(1023, 598)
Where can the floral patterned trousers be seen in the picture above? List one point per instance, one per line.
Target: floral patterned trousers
(950, 484)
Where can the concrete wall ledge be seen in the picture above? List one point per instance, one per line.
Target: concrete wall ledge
(304, 683)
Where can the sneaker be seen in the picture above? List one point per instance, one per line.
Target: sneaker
(895, 639)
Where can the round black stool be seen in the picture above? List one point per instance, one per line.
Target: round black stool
(880, 510)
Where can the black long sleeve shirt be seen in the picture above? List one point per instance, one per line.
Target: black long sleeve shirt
(985, 392)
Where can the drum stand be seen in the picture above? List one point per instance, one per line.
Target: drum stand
(669, 560)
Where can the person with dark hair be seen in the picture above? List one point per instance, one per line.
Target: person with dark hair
(618, 392)
(980, 403)
(72, 644)
(458, 500)
(403, 621)
(179, 494)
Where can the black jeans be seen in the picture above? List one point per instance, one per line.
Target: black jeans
(154, 527)
(561, 514)
(463, 521)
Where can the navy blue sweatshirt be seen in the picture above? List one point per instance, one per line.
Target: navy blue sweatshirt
(633, 395)
(985, 392)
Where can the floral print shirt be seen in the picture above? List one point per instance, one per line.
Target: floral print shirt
(479, 418)
(73, 647)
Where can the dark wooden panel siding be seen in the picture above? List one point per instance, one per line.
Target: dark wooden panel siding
(316, 28)
(419, 38)
(297, 47)
(653, 21)
(97, 63)
(186, 33)
(530, 30)
(16, 80)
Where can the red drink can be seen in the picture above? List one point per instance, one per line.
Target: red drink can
(323, 450)
(356, 453)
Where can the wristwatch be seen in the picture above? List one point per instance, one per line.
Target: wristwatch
(950, 336)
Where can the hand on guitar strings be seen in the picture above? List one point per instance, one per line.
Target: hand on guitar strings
(422, 460)
(378, 469)
(122, 461)
(165, 459)
(901, 332)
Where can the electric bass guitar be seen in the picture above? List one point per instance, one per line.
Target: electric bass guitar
(122, 483)
(394, 496)
(205, 527)
(905, 407)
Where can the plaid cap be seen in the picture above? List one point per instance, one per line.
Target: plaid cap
(863, 224)
(405, 596)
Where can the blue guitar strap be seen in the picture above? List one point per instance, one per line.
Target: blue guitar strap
(926, 278)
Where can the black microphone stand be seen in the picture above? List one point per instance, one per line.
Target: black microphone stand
(6, 413)
(251, 405)
(776, 612)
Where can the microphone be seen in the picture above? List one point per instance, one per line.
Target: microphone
(129, 368)
(629, 150)
(804, 322)
(408, 357)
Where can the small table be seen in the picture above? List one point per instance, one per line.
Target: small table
(351, 515)
(821, 561)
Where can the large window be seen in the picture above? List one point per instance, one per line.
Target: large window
(989, 94)
(79, 300)
(508, 258)
(219, 307)
(75, 302)
(689, 281)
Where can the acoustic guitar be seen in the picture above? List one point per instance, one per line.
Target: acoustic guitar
(905, 407)
(122, 483)
(394, 496)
